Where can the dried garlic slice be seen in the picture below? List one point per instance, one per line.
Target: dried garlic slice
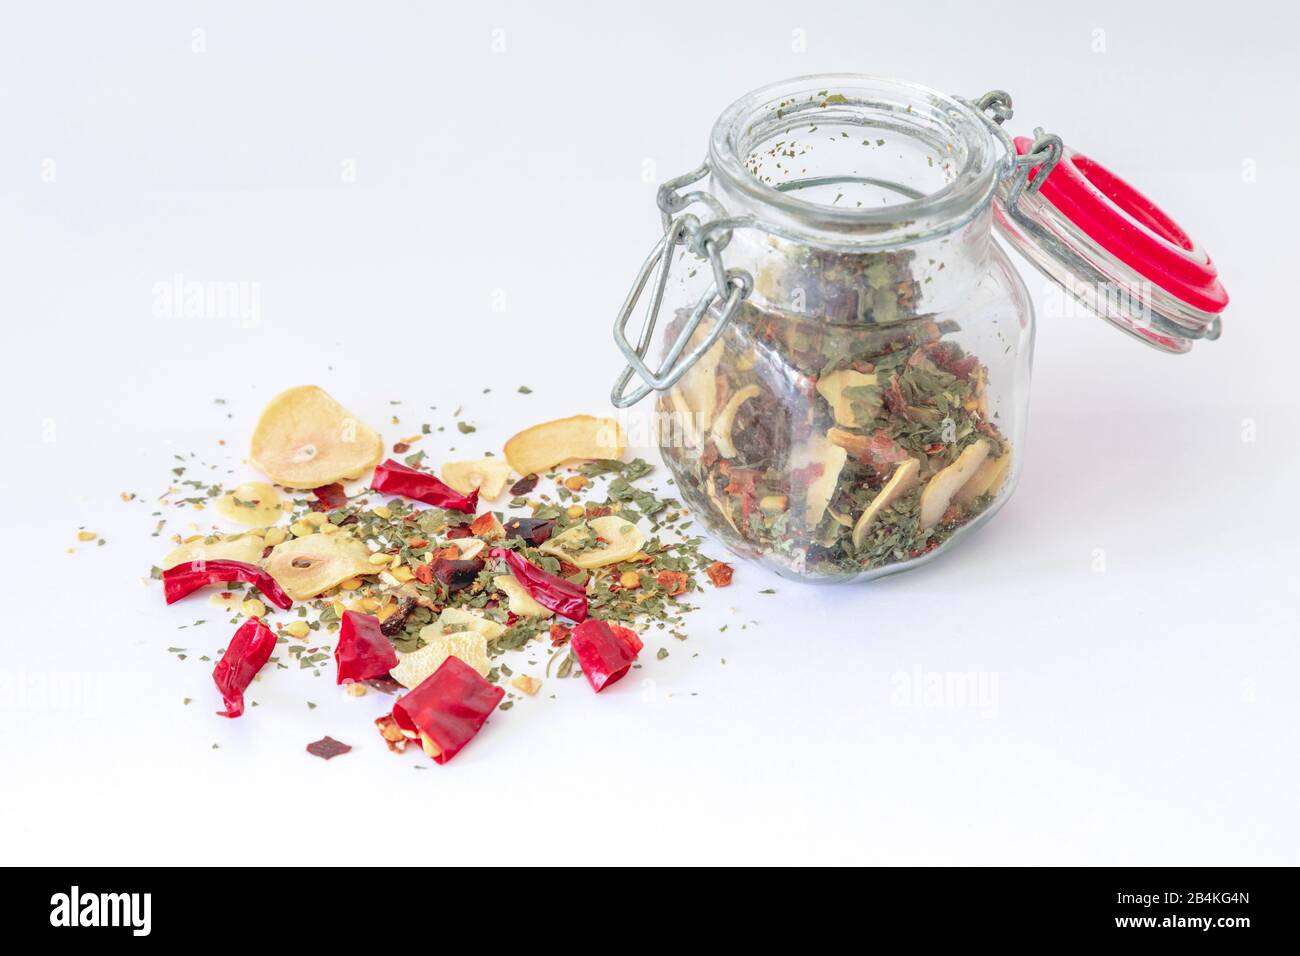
(314, 563)
(988, 478)
(579, 438)
(305, 439)
(900, 482)
(940, 489)
(819, 450)
(721, 433)
(519, 601)
(415, 668)
(851, 409)
(489, 475)
(453, 619)
(239, 547)
(596, 543)
(253, 503)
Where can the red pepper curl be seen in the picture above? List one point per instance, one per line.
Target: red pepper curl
(448, 708)
(604, 651)
(394, 478)
(249, 649)
(186, 578)
(362, 651)
(554, 593)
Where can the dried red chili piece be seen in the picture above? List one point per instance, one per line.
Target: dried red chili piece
(604, 651)
(187, 578)
(447, 709)
(457, 575)
(329, 497)
(401, 448)
(720, 573)
(487, 527)
(424, 573)
(394, 478)
(524, 485)
(674, 582)
(362, 650)
(460, 531)
(327, 748)
(249, 649)
(559, 634)
(535, 531)
(556, 594)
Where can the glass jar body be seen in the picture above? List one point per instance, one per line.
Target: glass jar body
(839, 450)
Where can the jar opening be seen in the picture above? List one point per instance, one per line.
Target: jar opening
(864, 159)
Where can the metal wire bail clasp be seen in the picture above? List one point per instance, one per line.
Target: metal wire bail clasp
(730, 287)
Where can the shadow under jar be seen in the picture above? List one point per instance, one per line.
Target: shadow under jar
(854, 399)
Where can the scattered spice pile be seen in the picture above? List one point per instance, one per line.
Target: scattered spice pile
(415, 587)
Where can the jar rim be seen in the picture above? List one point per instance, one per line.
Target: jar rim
(909, 105)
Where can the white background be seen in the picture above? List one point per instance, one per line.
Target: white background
(1144, 713)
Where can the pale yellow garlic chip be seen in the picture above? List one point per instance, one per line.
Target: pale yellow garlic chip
(469, 547)
(415, 668)
(699, 386)
(314, 563)
(900, 482)
(853, 396)
(685, 423)
(488, 475)
(596, 543)
(253, 503)
(940, 489)
(988, 478)
(721, 433)
(818, 450)
(519, 601)
(462, 619)
(240, 547)
(582, 437)
(305, 439)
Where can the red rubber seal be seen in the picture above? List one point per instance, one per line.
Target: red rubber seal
(1132, 228)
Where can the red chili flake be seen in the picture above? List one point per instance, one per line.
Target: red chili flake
(184, 579)
(248, 650)
(483, 524)
(459, 531)
(394, 478)
(559, 634)
(533, 530)
(327, 748)
(674, 582)
(598, 511)
(329, 497)
(524, 485)
(362, 650)
(417, 543)
(604, 651)
(424, 573)
(448, 708)
(401, 448)
(391, 733)
(556, 594)
(948, 357)
(720, 573)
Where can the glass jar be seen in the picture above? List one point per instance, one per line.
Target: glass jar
(855, 399)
